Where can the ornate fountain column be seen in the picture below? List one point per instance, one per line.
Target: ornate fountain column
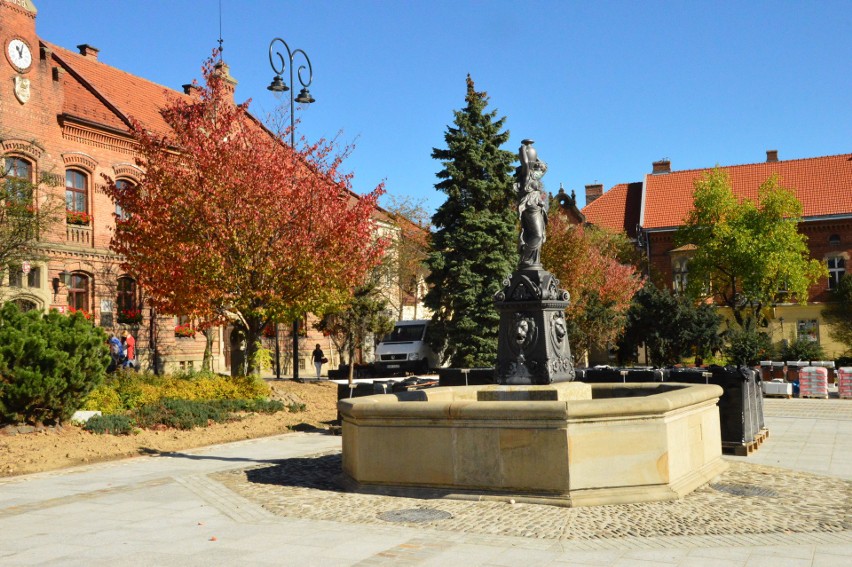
(533, 343)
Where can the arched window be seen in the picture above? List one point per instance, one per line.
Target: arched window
(17, 176)
(78, 292)
(25, 304)
(76, 191)
(122, 184)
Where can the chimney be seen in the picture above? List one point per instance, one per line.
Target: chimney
(224, 71)
(87, 50)
(771, 156)
(662, 166)
(593, 192)
(191, 89)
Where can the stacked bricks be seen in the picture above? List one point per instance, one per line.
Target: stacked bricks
(844, 382)
(813, 382)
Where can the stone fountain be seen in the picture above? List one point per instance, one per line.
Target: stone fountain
(536, 435)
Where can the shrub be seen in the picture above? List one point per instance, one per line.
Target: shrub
(114, 424)
(178, 414)
(256, 406)
(296, 407)
(747, 347)
(136, 389)
(49, 363)
(802, 348)
(105, 399)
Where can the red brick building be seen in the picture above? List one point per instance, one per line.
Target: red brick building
(650, 211)
(64, 124)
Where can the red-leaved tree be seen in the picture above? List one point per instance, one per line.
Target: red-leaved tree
(231, 223)
(593, 267)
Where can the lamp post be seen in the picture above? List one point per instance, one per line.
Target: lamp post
(279, 64)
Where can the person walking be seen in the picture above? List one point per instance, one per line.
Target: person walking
(319, 359)
(115, 353)
(129, 350)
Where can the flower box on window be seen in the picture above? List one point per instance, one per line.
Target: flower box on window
(83, 312)
(78, 217)
(130, 316)
(184, 331)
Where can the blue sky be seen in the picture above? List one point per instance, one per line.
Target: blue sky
(604, 88)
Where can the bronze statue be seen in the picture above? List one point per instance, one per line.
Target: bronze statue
(532, 206)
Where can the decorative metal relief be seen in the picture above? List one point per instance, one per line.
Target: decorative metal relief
(558, 327)
(525, 332)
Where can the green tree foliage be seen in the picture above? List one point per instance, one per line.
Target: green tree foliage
(838, 314)
(749, 253)
(671, 327)
(48, 364)
(747, 346)
(803, 348)
(475, 238)
(350, 325)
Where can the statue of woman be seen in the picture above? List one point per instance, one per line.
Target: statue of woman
(532, 205)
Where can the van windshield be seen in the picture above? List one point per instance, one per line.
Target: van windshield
(405, 333)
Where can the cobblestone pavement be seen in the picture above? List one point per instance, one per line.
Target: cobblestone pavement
(747, 499)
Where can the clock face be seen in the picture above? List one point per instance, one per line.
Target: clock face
(19, 54)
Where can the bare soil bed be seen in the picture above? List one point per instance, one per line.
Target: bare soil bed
(69, 445)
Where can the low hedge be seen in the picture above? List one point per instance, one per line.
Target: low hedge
(131, 390)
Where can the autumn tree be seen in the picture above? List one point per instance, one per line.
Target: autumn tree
(474, 245)
(749, 254)
(592, 264)
(350, 325)
(405, 261)
(231, 223)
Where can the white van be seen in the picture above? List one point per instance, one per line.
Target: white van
(405, 350)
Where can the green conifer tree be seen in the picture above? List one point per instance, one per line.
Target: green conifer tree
(475, 239)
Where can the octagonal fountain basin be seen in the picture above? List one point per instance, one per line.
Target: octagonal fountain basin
(569, 444)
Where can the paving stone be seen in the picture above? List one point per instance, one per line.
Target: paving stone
(747, 499)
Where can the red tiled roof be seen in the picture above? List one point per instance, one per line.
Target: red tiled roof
(823, 185)
(125, 95)
(617, 209)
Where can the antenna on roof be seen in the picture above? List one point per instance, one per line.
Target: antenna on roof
(221, 41)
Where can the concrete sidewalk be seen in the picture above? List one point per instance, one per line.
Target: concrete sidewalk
(179, 510)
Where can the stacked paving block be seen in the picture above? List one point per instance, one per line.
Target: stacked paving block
(813, 382)
(844, 382)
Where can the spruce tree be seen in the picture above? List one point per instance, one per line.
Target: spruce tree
(475, 238)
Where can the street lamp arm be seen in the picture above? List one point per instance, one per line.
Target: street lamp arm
(283, 62)
(302, 68)
(279, 62)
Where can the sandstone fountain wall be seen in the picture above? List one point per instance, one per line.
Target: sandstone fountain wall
(567, 443)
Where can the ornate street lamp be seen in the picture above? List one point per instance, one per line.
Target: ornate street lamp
(278, 87)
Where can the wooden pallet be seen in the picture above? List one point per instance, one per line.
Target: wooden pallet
(815, 397)
(740, 450)
(746, 449)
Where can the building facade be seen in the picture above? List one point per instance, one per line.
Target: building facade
(64, 126)
(651, 211)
